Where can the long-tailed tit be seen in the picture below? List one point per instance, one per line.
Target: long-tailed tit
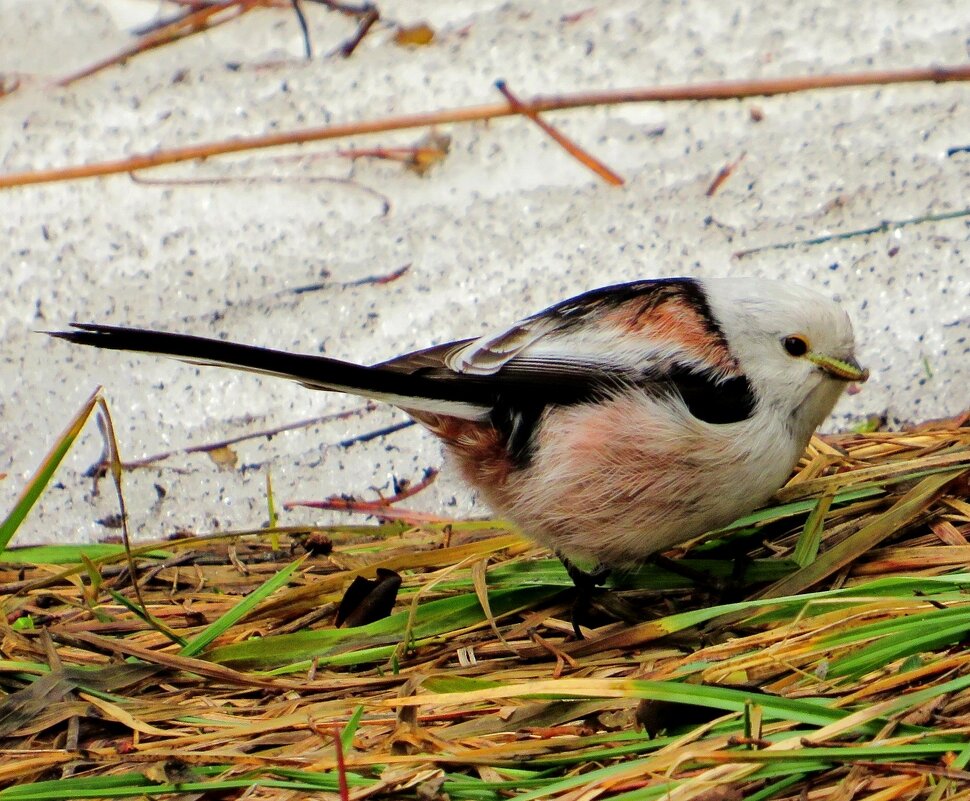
(610, 426)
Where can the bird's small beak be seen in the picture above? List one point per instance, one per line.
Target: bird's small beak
(844, 370)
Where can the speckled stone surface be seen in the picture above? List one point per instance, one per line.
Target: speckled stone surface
(504, 226)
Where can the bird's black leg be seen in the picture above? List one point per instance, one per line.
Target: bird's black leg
(586, 585)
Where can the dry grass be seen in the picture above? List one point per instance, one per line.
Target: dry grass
(832, 676)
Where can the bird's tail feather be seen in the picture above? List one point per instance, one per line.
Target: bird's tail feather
(409, 391)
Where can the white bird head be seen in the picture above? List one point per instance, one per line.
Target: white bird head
(794, 344)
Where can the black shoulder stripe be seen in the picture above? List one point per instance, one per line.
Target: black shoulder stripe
(517, 414)
(729, 401)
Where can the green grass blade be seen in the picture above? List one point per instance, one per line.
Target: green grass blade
(72, 554)
(371, 642)
(143, 614)
(227, 620)
(271, 511)
(870, 535)
(41, 478)
(916, 639)
(793, 508)
(806, 549)
(348, 731)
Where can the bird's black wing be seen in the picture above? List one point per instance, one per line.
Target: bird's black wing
(658, 336)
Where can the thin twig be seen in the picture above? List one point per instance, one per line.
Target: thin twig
(367, 20)
(724, 90)
(723, 174)
(99, 467)
(380, 432)
(879, 228)
(304, 29)
(111, 442)
(269, 179)
(582, 156)
(346, 8)
(387, 278)
(185, 25)
(338, 503)
(341, 766)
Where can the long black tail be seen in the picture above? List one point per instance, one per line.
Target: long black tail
(410, 391)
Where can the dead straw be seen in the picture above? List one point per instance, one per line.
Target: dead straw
(867, 676)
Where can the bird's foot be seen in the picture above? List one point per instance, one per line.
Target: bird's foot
(587, 585)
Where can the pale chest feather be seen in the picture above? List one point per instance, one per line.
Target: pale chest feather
(621, 479)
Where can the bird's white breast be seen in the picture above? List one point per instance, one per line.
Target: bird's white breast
(621, 479)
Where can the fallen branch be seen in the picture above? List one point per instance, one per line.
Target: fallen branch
(582, 156)
(377, 508)
(722, 90)
(185, 25)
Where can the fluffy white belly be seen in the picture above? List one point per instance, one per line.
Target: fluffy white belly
(619, 480)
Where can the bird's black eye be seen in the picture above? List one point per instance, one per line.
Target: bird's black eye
(795, 345)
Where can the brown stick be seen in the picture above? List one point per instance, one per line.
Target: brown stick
(189, 23)
(366, 22)
(723, 90)
(342, 504)
(100, 468)
(723, 174)
(584, 157)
